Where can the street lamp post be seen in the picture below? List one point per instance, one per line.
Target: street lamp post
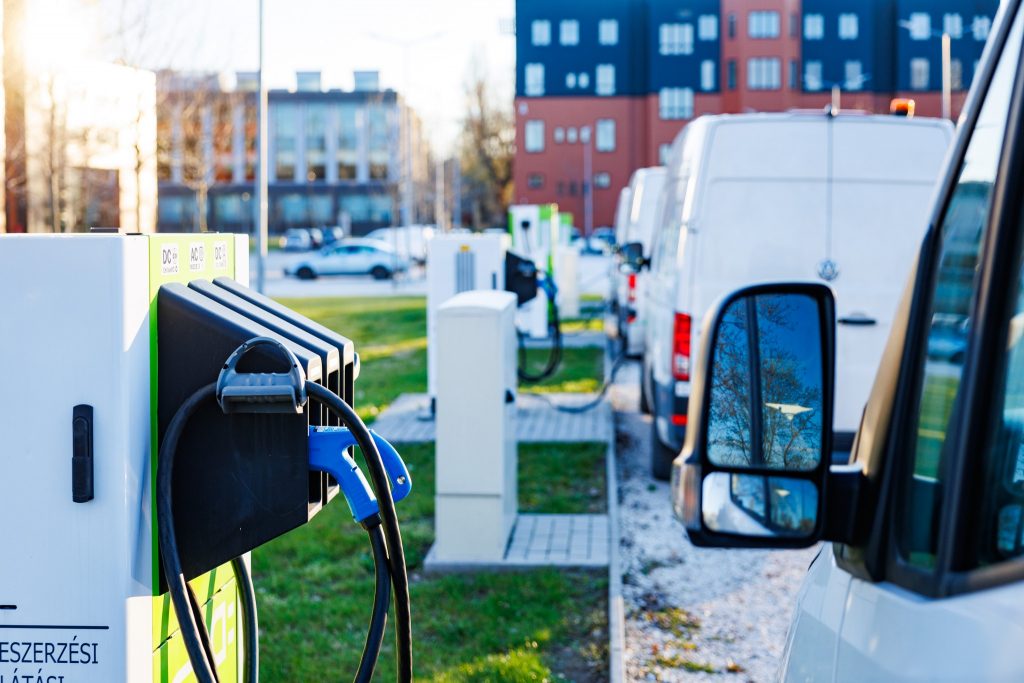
(588, 181)
(262, 201)
(947, 67)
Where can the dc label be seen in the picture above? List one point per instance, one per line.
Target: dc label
(220, 255)
(169, 259)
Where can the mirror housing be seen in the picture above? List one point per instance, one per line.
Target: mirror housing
(754, 469)
(632, 255)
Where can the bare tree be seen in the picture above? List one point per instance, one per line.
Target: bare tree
(486, 149)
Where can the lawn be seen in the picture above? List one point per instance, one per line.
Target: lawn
(315, 584)
(315, 589)
(390, 334)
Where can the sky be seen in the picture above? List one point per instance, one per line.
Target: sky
(336, 37)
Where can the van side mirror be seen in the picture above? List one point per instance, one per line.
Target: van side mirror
(753, 473)
(632, 255)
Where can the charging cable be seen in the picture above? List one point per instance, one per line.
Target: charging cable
(555, 356)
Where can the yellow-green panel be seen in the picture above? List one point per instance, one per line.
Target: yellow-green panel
(183, 258)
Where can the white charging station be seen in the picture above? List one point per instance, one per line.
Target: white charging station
(79, 331)
(476, 495)
(459, 263)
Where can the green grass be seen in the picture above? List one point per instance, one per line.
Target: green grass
(562, 478)
(390, 334)
(315, 585)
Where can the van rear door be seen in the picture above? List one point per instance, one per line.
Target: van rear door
(884, 173)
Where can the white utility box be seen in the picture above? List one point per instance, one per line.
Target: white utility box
(476, 437)
(459, 263)
(568, 281)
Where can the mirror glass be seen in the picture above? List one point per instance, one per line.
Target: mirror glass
(755, 505)
(632, 255)
(766, 384)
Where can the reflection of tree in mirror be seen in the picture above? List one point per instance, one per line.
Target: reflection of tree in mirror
(777, 379)
(729, 438)
(790, 381)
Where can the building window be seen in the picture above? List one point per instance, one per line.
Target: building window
(675, 103)
(559, 134)
(848, 27)
(707, 27)
(534, 80)
(732, 26)
(675, 39)
(814, 27)
(919, 73)
(602, 180)
(730, 76)
(571, 135)
(853, 75)
(605, 131)
(316, 142)
(381, 130)
(540, 31)
(605, 79)
(583, 80)
(284, 121)
(608, 32)
(707, 75)
(535, 181)
(980, 28)
(920, 25)
(763, 24)
(812, 75)
(953, 24)
(569, 32)
(764, 73)
(570, 80)
(794, 75)
(794, 25)
(346, 151)
(956, 74)
(663, 151)
(534, 136)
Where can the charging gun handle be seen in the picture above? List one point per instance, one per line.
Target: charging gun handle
(261, 392)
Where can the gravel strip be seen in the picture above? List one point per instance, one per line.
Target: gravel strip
(692, 614)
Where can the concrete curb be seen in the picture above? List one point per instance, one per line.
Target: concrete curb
(616, 607)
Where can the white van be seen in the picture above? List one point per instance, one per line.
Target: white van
(797, 196)
(628, 283)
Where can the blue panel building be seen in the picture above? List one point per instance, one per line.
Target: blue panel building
(849, 43)
(683, 45)
(579, 48)
(920, 24)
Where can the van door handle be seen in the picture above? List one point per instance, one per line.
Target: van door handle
(858, 320)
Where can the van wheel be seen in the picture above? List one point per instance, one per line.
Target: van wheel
(305, 273)
(380, 273)
(645, 405)
(661, 456)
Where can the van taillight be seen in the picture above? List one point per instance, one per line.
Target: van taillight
(681, 348)
(631, 296)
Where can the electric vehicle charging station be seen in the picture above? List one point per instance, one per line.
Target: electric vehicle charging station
(535, 231)
(455, 264)
(110, 338)
(476, 494)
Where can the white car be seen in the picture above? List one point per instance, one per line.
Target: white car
(922, 578)
(351, 257)
(842, 199)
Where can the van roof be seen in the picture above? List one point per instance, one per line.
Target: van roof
(811, 114)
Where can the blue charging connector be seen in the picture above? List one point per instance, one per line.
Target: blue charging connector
(328, 448)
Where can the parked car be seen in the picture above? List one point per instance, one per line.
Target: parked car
(317, 236)
(805, 195)
(409, 241)
(923, 575)
(622, 209)
(296, 239)
(629, 279)
(332, 235)
(351, 257)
